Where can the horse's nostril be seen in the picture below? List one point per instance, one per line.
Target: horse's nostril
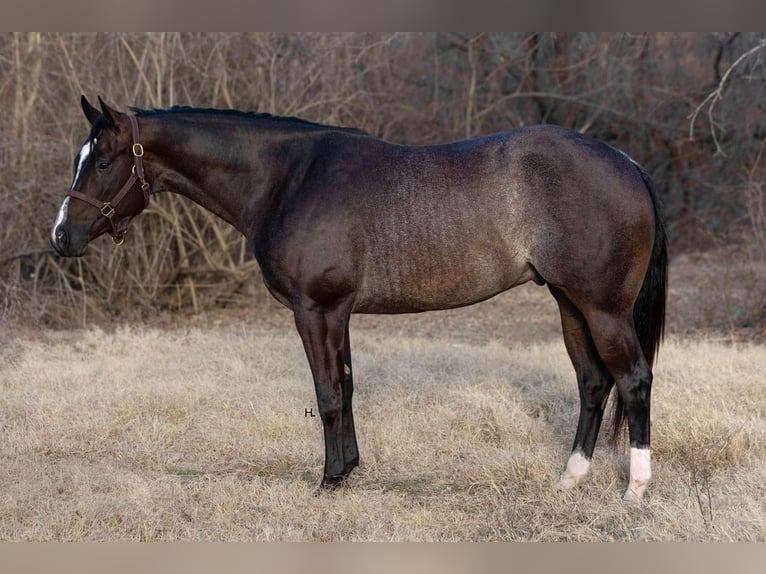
(60, 235)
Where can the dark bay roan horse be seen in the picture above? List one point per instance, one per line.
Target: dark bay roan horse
(342, 222)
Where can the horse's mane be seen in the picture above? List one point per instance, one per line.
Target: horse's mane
(237, 113)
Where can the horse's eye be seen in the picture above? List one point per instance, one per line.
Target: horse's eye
(104, 164)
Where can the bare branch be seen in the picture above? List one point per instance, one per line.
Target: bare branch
(715, 96)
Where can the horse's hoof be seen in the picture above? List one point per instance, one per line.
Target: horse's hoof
(331, 484)
(634, 494)
(577, 469)
(568, 481)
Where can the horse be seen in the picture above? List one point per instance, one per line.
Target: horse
(343, 222)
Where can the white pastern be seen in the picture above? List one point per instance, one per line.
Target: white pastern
(60, 218)
(576, 470)
(640, 473)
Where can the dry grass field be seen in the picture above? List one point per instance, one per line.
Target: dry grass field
(200, 433)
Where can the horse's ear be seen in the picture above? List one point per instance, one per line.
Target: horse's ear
(112, 116)
(90, 112)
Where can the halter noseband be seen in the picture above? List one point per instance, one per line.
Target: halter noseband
(107, 208)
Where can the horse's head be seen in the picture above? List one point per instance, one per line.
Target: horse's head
(108, 188)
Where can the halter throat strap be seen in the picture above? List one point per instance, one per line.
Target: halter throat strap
(108, 208)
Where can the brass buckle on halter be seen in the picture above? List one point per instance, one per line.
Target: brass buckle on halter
(138, 150)
(119, 239)
(107, 210)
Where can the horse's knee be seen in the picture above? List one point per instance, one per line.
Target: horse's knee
(330, 404)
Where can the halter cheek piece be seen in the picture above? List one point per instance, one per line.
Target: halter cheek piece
(107, 208)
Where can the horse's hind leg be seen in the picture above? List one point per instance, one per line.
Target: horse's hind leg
(619, 347)
(594, 383)
(324, 332)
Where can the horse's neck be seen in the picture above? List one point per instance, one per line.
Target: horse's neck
(236, 179)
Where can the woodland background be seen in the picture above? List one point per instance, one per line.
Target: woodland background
(638, 92)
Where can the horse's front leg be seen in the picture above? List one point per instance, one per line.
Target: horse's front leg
(324, 332)
(350, 449)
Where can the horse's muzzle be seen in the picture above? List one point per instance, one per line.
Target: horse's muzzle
(62, 242)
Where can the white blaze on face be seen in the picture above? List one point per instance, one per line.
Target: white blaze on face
(60, 218)
(640, 473)
(85, 152)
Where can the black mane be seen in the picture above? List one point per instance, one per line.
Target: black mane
(238, 113)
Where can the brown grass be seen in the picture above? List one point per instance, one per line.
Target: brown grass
(200, 434)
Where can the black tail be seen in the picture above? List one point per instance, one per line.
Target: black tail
(649, 310)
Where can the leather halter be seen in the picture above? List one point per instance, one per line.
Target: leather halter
(108, 208)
